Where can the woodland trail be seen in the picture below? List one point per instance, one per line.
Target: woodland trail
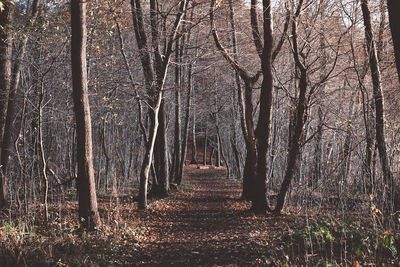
(205, 225)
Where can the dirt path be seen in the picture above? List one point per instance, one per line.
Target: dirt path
(205, 226)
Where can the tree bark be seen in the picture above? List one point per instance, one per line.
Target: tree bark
(394, 20)
(205, 147)
(177, 130)
(186, 128)
(250, 165)
(88, 213)
(240, 100)
(6, 18)
(259, 203)
(161, 189)
(194, 145)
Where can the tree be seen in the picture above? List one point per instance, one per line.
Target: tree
(379, 106)
(6, 17)
(155, 75)
(259, 203)
(88, 213)
(248, 128)
(15, 77)
(302, 99)
(394, 19)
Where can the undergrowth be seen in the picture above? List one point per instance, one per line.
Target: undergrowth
(337, 242)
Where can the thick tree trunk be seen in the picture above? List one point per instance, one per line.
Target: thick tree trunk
(259, 203)
(88, 213)
(394, 19)
(161, 189)
(379, 107)
(250, 165)
(6, 17)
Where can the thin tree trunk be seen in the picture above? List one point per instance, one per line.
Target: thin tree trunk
(211, 163)
(88, 213)
(219, 146)
(177, 132)
(41, 150)
(8, 128)
(295, 140)
(155, 85)
(147, 161)
(194, 145)
(316, 170)
(186, 128)
(237, 77)
(205, 147)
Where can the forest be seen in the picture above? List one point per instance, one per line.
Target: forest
(199, 133)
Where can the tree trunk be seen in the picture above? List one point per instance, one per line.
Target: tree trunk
(6, 18)
(237, 77)
(147, 161)
(210, 162)
(219, 145)
(379, 107)
(294, 142)
(87, 201)
(394, 20)
(316, 170)
(259, 203)
(205, 147)
(194, 145)
(186, 128)
(161, 189)
(177, 130)
(154, 85)
(250, 165)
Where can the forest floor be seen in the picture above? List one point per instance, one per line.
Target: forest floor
(203, 224)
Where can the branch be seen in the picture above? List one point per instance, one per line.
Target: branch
(254, 28)
(235, 65)
(283, 36)
(294, 37)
